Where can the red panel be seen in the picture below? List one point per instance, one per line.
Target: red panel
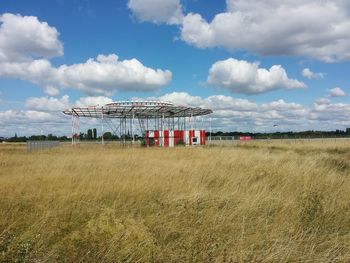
(190, 135)
(202, 133)
(245, 138)
(156, 138)
(178, 136)
(166, 138)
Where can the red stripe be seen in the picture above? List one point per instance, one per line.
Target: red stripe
(156, 138)
(191, 135)
(166, 138)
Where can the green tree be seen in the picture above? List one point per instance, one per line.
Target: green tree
(107, 136)
(94, 134)
(89, 134)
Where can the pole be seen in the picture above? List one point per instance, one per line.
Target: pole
(132, 127)
(102, 139)
(72, 129)
(210, 129)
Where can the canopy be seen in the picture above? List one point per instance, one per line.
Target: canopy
(137, 109)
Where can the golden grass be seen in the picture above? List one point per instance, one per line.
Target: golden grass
(254, 202)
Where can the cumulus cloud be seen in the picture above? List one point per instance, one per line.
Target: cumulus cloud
(51, 90)
(92, 101)
(337, 92)
(22, 38)
(157, 11)
(240, 76)
(268, 28)
(230, 113)
(323, 101)
(107, 74)
(52, 104)
(332, 114)
(47, 103)
(307, 73)
(26, 44)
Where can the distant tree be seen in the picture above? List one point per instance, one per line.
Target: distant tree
(94, 134)
(107, 136)
(89, 134)
(51, 137)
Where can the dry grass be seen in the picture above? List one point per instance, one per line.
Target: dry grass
(257, 202)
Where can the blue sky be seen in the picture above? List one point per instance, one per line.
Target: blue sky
(254, 64)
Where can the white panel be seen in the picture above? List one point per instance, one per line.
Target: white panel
(197, 134)
(187, 137)
(171, 138)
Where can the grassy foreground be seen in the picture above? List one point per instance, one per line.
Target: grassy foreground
(259, 202)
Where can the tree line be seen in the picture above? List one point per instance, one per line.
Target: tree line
(91, 135)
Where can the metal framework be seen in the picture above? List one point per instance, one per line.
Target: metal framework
(120, 117)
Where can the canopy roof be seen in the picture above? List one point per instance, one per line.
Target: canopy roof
(137, 109)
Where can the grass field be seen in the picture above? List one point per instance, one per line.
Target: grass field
(254, 202)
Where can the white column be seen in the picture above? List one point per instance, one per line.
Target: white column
(132, 127)
(72, 129)
(102, 139)
(210, 129)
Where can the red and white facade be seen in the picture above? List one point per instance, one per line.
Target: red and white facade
(169, 138)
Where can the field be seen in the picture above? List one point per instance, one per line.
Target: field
(254, 202)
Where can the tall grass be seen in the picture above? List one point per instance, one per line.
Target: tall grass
(255, 202)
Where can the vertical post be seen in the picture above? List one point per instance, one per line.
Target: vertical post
(132, 127)
(124, 130)
(72, 129)
(185, 123)
(191, 121)
(210, 129)
(120, 130)
(102, 139)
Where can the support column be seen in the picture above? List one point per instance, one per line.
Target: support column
(72, 129)
(210, 129)
(132, 128)
(102, 136)
(75, 128)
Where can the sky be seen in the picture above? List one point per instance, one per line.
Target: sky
(273, 65)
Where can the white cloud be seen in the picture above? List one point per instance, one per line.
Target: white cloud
(307, 73)
(230, 114)
(323, 101)
(240, 76)
(157, 11)
(51, 90)
(46, 104)
(181, 98)
(25, 37)
(337, 92)
(92, 101)
(107, 74)
(26, 44)
(331, 114)
(51, 104)
(271, 27)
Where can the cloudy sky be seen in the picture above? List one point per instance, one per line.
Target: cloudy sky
(257, 64)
